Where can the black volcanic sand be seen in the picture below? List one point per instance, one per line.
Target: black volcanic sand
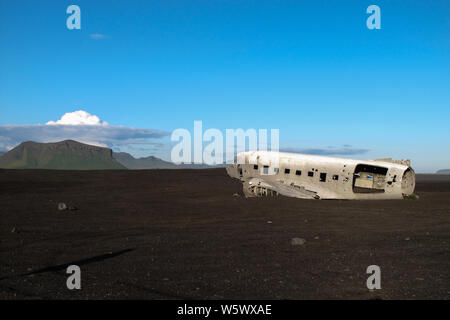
(183, 234)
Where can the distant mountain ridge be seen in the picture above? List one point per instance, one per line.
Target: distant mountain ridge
(74, 155)
(443, 171)
(152, 162)
(64, 155)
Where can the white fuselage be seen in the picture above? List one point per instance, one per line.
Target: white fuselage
(309, 176)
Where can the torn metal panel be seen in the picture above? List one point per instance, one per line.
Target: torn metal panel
(265, 173)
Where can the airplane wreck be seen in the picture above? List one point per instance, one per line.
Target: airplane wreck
(270, 173)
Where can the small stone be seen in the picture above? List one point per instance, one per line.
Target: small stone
(235, 194)
(62, 206)
(316, 237)
(298, 241)
(269, 221)
(407, 239)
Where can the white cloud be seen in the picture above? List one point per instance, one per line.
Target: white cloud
(94, 143)
(345, 151)
(80, 126)
(98, 36)
(79, 117)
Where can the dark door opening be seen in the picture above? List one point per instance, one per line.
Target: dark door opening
(369, 179)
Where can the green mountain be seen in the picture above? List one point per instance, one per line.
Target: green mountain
(73, 155)
(443, 171)
(68, 154)
(127, 160)
(152, 162)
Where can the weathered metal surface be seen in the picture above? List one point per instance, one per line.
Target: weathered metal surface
(267, 173)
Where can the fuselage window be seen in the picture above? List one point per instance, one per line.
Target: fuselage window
(310, 173)
(276, 170)
(266, 170)
(298, 172)
(323, 177)
(335, 177)
(255, 166)
(287, 171)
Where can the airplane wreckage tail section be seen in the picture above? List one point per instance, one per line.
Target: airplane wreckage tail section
(268, 173)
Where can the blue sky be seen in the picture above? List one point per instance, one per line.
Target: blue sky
(311, 69)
